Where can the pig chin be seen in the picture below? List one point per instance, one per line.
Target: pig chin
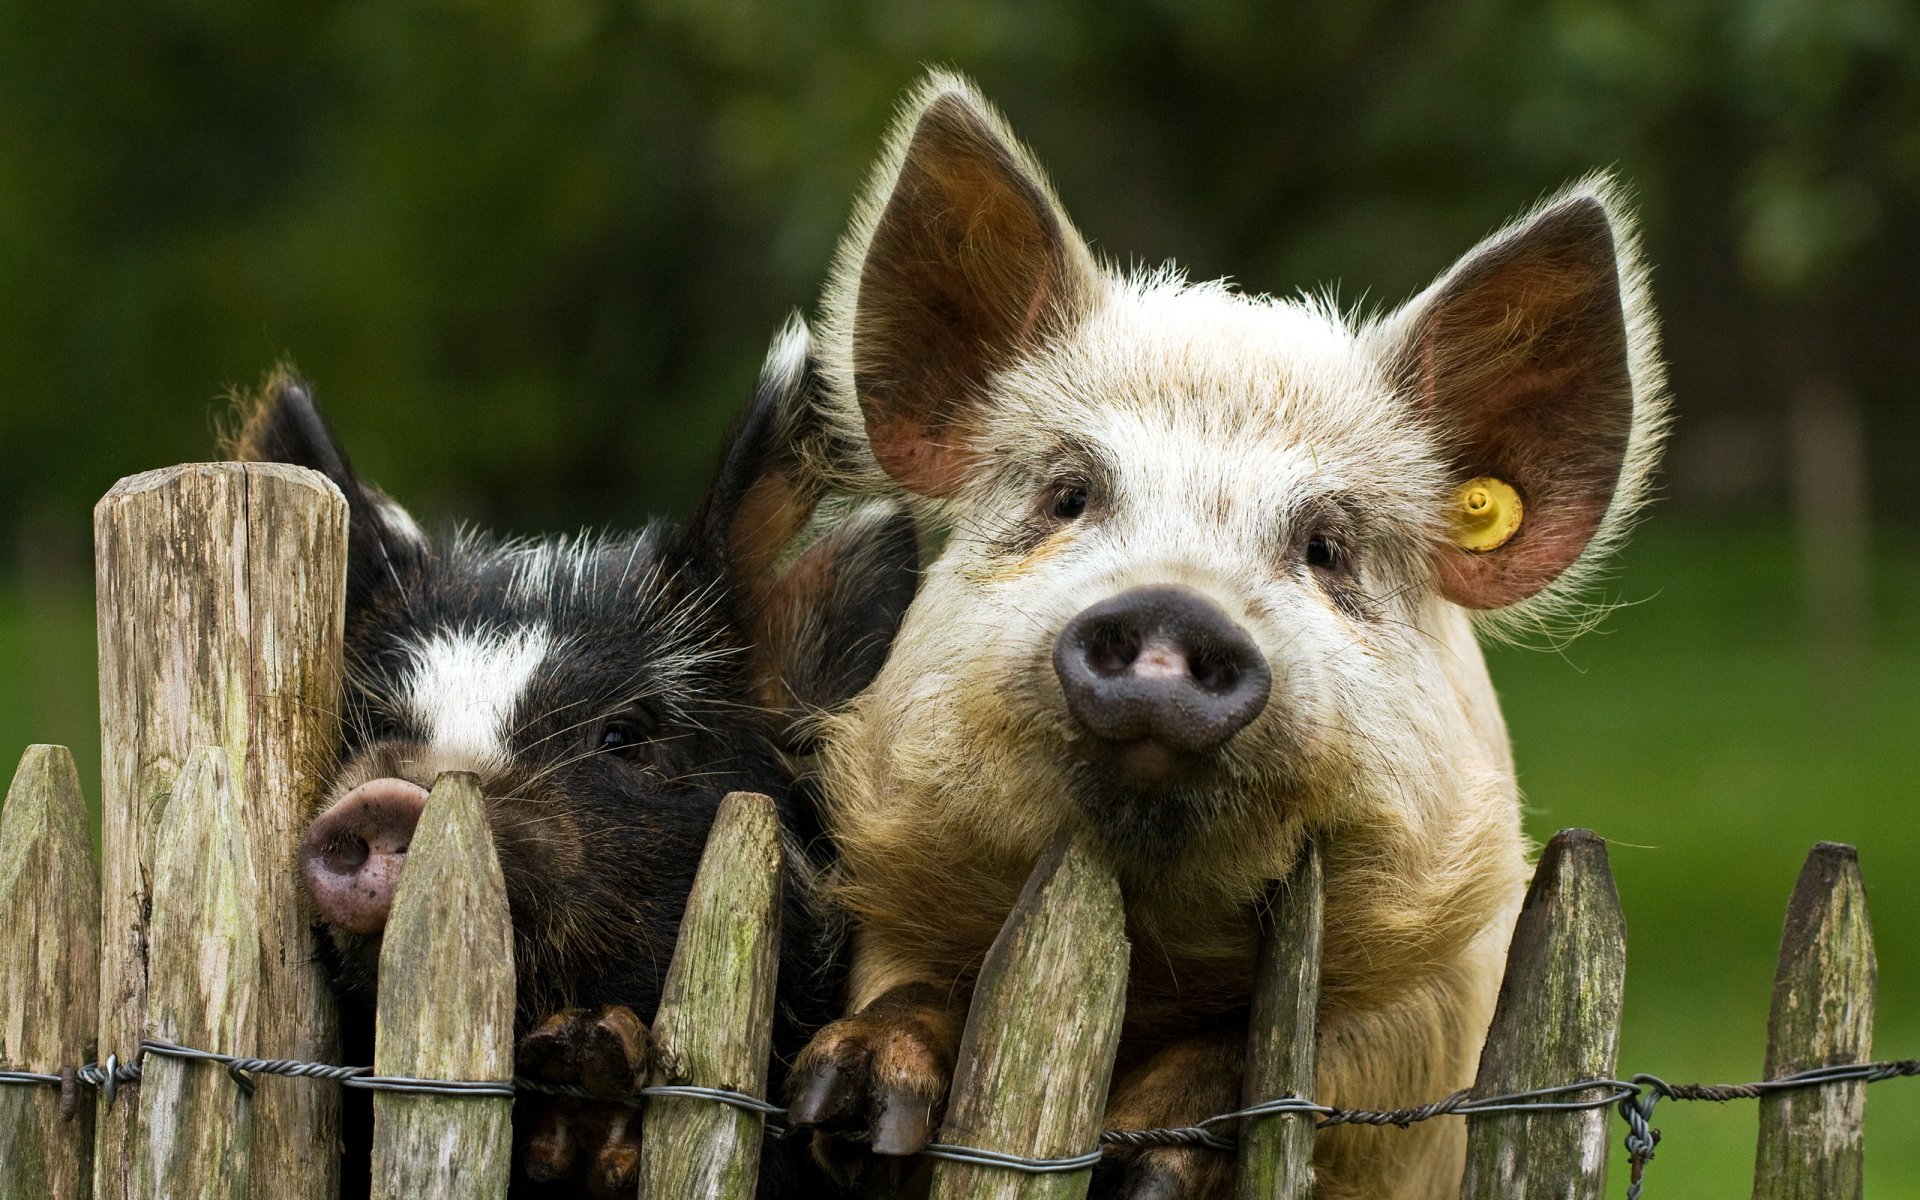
(1147, 800)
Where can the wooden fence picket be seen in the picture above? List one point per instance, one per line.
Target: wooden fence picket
(1557, 1021)
(220, 590)
(1037, 1055)
(714, 1027)
(193, 1132)
(446, 1009)
(1276, 1153)
(49, 973)
(1810, 1139)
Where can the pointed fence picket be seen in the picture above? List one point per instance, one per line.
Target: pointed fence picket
(49, 975)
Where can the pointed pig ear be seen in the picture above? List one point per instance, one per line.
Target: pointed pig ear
(761, 497)
(820, 628)
(970, 261)
(284, 424)
(1520, 356)
(832, 615)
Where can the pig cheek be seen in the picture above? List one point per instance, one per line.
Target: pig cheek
(540, 850)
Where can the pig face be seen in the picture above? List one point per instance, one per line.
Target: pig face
(607, 690)
(1207, 577)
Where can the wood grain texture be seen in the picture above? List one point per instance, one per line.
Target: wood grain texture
(714, 1027)
(193, 1134)
(1276, 1153)
(446, 1008)
(49, 973)
(1558, 1019)
(220, 590)
(1823, 997)
(1037, 1056)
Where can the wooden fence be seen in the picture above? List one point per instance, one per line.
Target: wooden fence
(219, 609)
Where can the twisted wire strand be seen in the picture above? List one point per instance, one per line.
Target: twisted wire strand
(1018, 1162)
(1633, 1098)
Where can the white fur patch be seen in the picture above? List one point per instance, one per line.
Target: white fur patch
(464, 689)
(786, 358)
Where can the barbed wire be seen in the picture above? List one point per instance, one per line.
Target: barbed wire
(1633, 1098)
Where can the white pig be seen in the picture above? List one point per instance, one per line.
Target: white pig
(1213, 570)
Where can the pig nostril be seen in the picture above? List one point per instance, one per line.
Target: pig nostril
(1111, 651)
(345, 856)
(1214, 673)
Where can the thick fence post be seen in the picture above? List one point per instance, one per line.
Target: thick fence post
(446, 1009)
(220, 590)
(1276, 1153)
(193, 1132)
(714, 1027)
(1558, 1019)
(1809, 1144)
(1037, 1055)
(49, 974)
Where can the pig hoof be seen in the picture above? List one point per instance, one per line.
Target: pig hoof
(878, 1077)
(605, 1052)
(548, 1153)
(616, 1168)
(593, 1142)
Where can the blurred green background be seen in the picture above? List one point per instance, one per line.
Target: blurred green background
(530, 254)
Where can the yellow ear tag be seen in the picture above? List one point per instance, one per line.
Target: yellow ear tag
(1487, 512)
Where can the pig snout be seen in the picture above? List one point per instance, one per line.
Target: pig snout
(354, 851)
(1162, 669)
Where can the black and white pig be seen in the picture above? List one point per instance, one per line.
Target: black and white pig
(608, 690)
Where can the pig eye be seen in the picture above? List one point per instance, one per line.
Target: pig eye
(1322, 552)
(625, 732)
(1070, 501)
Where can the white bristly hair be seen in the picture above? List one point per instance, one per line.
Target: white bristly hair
(464, 688)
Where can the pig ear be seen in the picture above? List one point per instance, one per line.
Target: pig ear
(283, 424)
(967, 261)
(833, 613)
(1526, 356)
(820, 628)
(761, 497)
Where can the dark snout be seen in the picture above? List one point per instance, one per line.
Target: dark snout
(1161, 666)
(354, 851)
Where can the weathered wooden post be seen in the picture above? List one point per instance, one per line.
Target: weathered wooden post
(446, 1009)
(1810, 1143)
(49, 974)
(1276, 1153)
(714, 1027)
(1037, 1056)
(220, 590)
(193, 1128)
(1558, 1019)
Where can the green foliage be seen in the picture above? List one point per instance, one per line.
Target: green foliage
(530, 252)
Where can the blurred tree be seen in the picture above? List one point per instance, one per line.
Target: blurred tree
(529, 252)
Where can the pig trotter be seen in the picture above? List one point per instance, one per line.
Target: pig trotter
(604, 1051)
(548, 1153)
(616, 1169)
(1184, 1083)
(879, 1076)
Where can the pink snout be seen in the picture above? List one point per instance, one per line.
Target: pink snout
(355, 849)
